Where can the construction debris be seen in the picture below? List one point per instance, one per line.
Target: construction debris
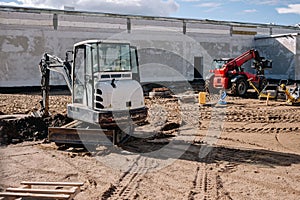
(160, 92)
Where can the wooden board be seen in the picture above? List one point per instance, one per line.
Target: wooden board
(33, 195)
(58, 192)
(53, 183)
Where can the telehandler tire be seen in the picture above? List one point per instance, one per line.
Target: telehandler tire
(239, 88)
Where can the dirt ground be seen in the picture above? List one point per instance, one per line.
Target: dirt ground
(243, 150)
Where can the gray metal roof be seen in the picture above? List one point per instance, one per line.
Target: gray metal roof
(171, 19)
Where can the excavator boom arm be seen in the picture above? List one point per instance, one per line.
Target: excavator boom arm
(52, 63)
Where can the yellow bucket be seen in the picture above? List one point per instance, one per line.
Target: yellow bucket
(202, 97)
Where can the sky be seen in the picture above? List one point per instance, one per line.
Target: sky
(279, 12)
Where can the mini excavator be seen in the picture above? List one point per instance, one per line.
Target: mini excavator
(102, 77)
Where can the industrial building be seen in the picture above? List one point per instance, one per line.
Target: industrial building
(170, 49)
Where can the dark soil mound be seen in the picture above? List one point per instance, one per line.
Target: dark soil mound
(29, 128)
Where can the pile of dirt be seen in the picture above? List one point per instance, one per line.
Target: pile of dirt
(11, 104)
(30, 128)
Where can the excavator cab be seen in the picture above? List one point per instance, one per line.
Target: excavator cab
(104, 90)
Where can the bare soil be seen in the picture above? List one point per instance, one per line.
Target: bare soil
(253, 152)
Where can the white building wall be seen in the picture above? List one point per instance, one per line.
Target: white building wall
(167, 46)
(297, 58)
(282, 50)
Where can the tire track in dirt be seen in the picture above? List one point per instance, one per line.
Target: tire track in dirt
(278, 141)
(199, 140)
(125, 187)
(272, 118)
(284, 141)
(262, 116)
(205, 181)
(262, 129)
(207, 184)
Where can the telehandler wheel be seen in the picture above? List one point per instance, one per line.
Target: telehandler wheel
(263, 84)
(239, 88)
(209, 88)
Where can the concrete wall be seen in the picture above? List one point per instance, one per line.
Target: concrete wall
(167, 46)
(297, 58)
(282, 50)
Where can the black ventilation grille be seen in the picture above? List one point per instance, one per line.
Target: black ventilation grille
(98, 103)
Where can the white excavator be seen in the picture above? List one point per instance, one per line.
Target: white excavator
(103, 79)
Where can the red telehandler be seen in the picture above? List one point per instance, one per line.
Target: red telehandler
(228, 74)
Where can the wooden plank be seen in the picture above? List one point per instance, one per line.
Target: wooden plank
(42, 191)
(13, 117)
(53, 183)
(77, 190)
(40, 196)
(72, 124)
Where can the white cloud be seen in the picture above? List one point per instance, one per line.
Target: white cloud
(209, 5)
(250, 11)
(266, 2)
(190, 0)
(142, 7)
(292, 8)
(8, 3)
